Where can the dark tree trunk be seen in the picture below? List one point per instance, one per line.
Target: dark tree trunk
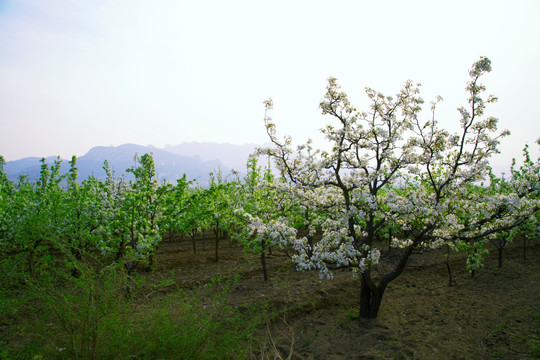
(473, 271)
(121, 250)
(263, 264)
(130, 269)
(75, 272)
(216, 235)
(263, 261)
(448, 266)
(500, 244)
(370, 301)
(193, 234)
(371, 295)
(151, 260)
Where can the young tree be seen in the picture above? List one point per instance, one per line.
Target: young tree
(262, 212)
(216, 207)
(39, 226)
(525, 180)
(133, 214)
(175, 204)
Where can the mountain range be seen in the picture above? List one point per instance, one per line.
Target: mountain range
(196, 160)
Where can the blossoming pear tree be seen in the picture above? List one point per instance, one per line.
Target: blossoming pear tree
(263, 212)
(385, 168)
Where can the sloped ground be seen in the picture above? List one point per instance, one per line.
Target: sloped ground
(495, 315)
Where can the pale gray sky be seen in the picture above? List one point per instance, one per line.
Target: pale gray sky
(77, 74)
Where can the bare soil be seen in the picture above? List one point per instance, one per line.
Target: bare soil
(495, 315)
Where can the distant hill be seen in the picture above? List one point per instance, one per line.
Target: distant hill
(232, 156)
(196, 160)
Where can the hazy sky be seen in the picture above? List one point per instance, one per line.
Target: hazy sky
(77, 74)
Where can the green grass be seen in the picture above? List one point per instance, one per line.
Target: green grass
(91, 317)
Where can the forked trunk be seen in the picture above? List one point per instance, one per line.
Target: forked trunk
(500, 244)
(370, 301)
(371, 294)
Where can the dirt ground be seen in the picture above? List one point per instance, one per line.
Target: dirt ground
(495, 315)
